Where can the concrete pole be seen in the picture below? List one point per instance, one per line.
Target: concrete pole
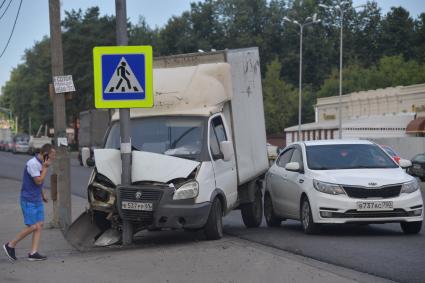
(122, 39)
(62, 166)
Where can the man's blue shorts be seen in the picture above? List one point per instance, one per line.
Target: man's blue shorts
(33, 212)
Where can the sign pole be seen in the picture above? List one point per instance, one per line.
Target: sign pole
(122, 40)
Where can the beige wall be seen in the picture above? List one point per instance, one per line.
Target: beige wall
(388, 101)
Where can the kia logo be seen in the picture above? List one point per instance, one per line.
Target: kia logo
(138, 195)
(373, 184)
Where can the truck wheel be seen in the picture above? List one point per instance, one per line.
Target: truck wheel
(271, 218)
(252, 213)
(411, 227)
(306, 217)
(214, 228)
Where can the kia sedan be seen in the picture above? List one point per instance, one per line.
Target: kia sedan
(341, 181)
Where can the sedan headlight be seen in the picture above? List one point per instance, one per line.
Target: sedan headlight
(409, 187)
(328, 188)
(187, 190)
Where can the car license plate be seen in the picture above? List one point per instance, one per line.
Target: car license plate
(374, 205)
(144, 206)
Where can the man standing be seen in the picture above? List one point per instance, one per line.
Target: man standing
(32, 197)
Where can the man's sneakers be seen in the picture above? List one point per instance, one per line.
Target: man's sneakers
(10, 252)
(36, 257)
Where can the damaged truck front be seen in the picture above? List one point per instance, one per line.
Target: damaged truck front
(199, 153)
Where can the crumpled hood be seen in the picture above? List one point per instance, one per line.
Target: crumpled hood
(362, 177)
(146, 166)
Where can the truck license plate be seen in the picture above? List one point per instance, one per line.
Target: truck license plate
(374, 205)
(144, 206)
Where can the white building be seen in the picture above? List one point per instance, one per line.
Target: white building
(390, 112)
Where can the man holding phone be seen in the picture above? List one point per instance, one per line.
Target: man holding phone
(32, 198)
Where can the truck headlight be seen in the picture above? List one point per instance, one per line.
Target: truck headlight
(409, 187)
(328, 188)
(101, 191)
(187, 190)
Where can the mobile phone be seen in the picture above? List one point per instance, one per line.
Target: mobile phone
(46, 157)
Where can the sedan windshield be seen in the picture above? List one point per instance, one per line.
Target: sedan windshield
(347, 156)
(176, 136)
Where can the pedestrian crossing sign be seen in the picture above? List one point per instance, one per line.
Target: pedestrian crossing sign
(123, 76)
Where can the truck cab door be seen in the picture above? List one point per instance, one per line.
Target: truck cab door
(224, 171)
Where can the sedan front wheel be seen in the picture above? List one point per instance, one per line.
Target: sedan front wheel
(306, 217)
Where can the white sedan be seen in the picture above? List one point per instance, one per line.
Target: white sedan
(341, 181)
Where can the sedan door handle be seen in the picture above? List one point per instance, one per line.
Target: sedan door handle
(301, 181)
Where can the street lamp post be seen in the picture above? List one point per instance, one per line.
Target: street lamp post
(339, 8)
(308, 21)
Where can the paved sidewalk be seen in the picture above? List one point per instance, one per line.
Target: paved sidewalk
(156, 257)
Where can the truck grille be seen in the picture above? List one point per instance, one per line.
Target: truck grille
(383, 192)
(143, 218)
(128, 194)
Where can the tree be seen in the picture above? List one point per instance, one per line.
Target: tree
(391, 71)
(280, 100)
(397, 33)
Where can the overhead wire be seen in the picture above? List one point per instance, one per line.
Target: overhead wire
(5, 10)
(13, 29)
(2, 3)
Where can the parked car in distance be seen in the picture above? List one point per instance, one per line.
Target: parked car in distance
(341, 181)
(9, 144)
(418, 166)
(392, 153)
(2, 145)
(21, 146)
(272, 152)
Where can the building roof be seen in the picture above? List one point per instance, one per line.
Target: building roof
(416, 126)
(315, 126)
(378, 121)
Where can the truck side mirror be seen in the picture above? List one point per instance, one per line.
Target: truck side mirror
(226, 148)
(90, 162)
(85, 155)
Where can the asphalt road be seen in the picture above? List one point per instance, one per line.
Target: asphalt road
(381, 250)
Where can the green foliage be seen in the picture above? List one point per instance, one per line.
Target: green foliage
(379, 51)
(280, 99)
(390, 71)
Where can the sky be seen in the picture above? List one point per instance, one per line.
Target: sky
(33, 20)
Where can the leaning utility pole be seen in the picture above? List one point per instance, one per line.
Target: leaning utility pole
(62, 166)
(122, 40)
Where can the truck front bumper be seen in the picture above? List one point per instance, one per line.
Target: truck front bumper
(166, 212)
(182, 216)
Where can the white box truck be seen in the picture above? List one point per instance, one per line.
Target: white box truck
(199, 153)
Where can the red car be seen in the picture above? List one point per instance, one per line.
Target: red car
(392, 153)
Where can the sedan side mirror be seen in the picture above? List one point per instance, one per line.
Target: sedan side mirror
(293, 166)
(404, 163)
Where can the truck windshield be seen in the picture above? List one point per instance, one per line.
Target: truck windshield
(176, 136)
